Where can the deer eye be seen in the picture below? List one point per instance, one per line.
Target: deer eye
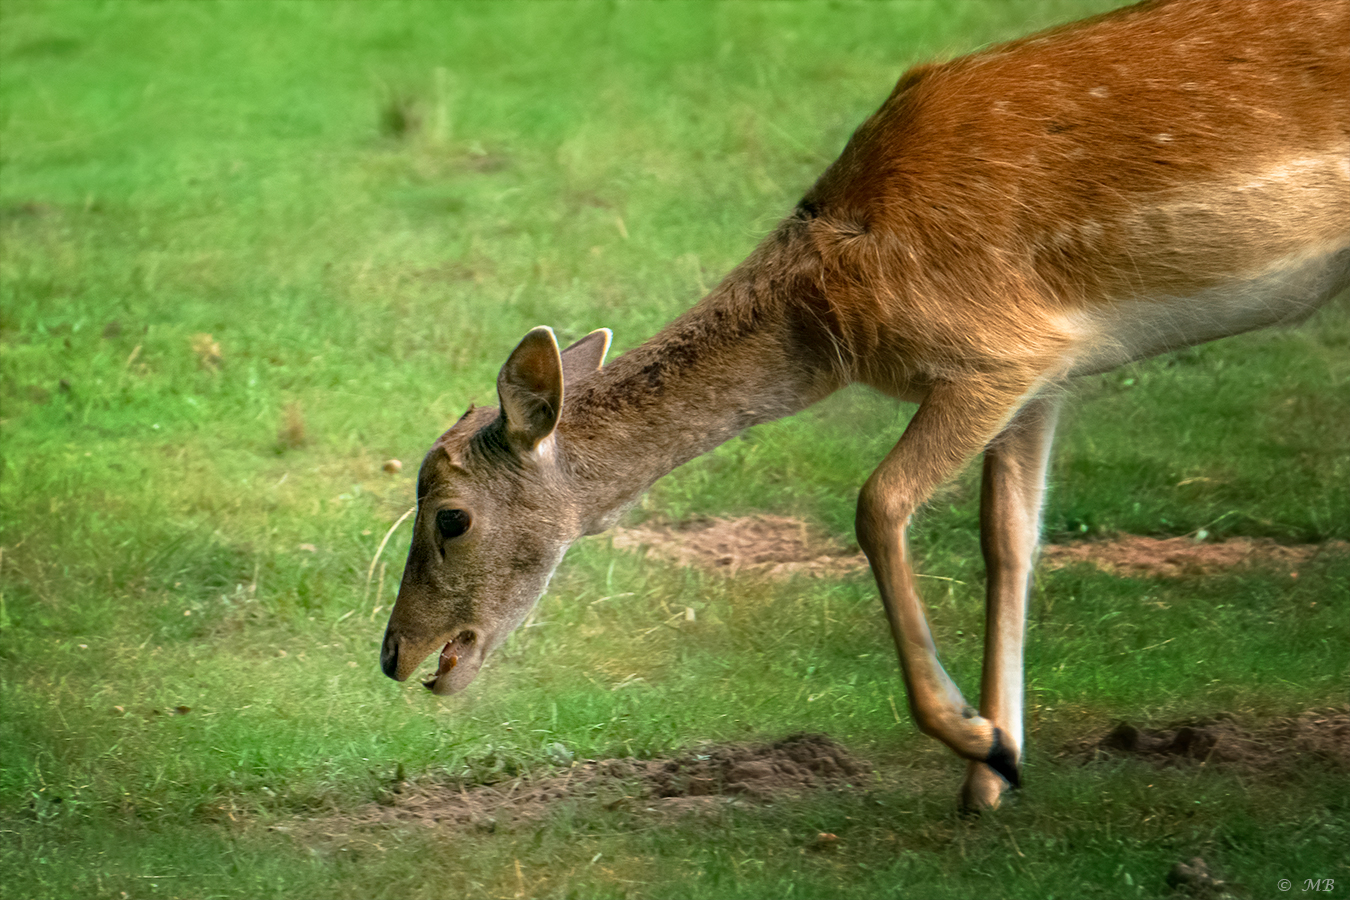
(451, 523)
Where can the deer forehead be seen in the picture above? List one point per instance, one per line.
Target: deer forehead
(457, 441)
(458, 452)
(473, 465)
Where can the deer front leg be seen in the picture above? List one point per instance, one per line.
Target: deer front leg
(954, 422)
(1010, 522)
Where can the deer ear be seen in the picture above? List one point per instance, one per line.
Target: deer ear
(530, 388)
(586, 355)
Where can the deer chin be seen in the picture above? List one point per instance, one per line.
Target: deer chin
(457, 666)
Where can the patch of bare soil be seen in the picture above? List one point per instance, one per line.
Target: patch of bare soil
(780, 547)
(774, 546)
(700, 779)
(1130, 554)
(801, 762)
(717, 775)
(1279, 745)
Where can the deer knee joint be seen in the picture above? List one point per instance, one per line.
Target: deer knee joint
(880, 516)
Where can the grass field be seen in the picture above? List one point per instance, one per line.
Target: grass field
(253, 250)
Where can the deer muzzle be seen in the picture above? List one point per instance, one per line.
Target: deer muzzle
(460, 658)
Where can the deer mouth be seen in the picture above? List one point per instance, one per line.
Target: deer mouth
(459, 662)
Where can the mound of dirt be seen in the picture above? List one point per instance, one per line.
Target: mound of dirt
(1130, 554)
(755, 772)
(774, 546)
(1194, 878)
(798, 763)
(1322, 735)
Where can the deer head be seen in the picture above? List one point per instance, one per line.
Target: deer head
(495, 513)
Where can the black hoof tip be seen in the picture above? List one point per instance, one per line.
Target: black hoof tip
(1003, 761)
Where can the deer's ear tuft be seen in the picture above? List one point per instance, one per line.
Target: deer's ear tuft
(530, 388)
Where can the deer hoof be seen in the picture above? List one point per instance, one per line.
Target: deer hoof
(1003, 760)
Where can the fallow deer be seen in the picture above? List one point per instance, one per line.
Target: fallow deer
(1150, 179)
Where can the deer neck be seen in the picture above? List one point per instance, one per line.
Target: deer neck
(735, 360)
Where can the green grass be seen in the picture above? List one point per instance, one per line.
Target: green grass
(365, 206)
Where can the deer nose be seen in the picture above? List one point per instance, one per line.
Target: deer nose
(389, 656)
